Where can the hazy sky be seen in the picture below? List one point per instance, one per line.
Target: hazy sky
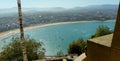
(54, 3)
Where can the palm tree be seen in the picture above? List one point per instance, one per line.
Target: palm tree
(21, 31)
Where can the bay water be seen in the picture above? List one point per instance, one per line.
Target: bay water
(58, 37)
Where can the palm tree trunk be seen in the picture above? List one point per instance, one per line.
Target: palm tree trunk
(21, 31)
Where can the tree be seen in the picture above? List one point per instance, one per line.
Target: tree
(13, 51)
(21, 31)
(102, 30)
(77, 47)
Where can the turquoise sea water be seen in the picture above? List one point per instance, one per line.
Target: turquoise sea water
(58, 37)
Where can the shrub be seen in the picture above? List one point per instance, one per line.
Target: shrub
(101, 30)
(77, 47)
(13, 50)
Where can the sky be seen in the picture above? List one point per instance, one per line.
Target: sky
(54, 3)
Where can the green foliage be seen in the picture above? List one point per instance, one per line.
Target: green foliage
(60, 53)
(102, 30)
(13, 50)
(77, 47)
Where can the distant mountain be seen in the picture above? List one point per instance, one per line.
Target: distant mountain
(14, 10)
(105, 6)
(96, 7)
(57, 9)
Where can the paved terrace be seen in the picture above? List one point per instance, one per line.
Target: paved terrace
(103, 40)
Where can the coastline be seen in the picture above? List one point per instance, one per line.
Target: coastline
(7, 33)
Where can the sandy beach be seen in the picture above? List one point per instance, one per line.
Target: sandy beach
(6, 33)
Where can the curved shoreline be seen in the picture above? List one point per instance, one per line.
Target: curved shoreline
(3, 34)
